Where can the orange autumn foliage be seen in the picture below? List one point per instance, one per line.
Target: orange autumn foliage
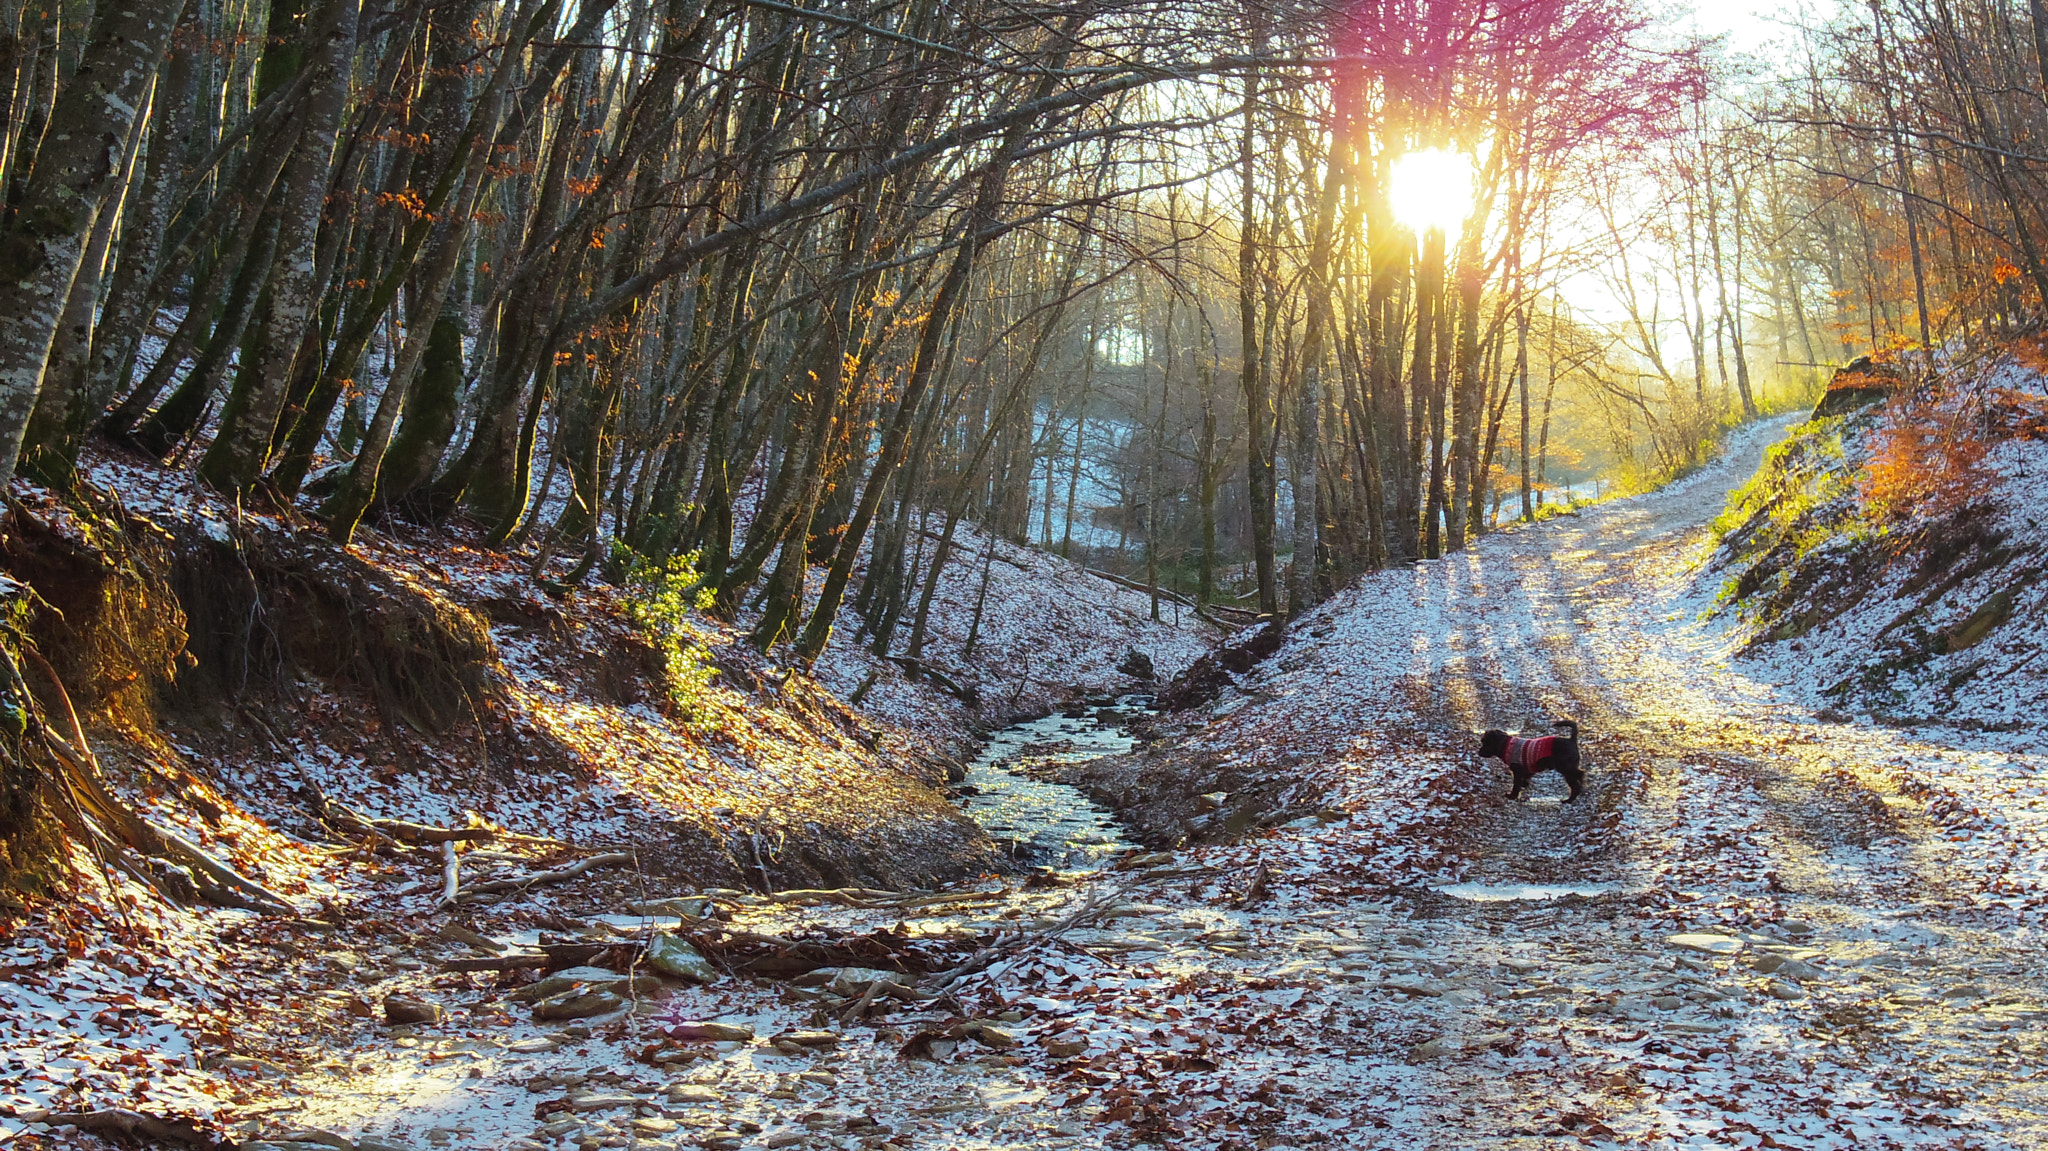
(1929, 459)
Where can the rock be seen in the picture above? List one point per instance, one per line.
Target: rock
(847, 980)
(809, 1038)
(1137, 665)
(1965, 991)
(243, 1063)
(1521, 966)
(987, 1033)
(818, 1078)
(1667, 1003)
(654, 1126)
(320, 1138)
(1066, 1048)
(1211, 801)
(367, 1144)
(1766, 962)
(712, 1032)
(674, 955)
(532, 1046)
(568, 979)
(586, 1104)
(680, 906)
(692, 1093)
(1412, 987)
(578, 1005)
(1705, 944)
(1786, 991)
(1433, 1049)
(403, 1009)
(1800, 971)
(587, 979)
(785, 1139)
(1796, 927)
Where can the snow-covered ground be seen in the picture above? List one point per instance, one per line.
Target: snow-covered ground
(1760, 928)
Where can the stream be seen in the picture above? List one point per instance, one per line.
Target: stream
(1039, 821)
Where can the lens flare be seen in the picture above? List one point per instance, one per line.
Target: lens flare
(1432, 189)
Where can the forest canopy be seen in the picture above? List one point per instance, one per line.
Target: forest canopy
(1240, 300)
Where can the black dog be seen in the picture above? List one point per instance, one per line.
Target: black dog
(1526, 757)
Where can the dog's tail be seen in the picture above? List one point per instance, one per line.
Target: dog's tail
(1566, 723)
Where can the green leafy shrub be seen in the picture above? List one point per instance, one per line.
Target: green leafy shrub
(662, 597)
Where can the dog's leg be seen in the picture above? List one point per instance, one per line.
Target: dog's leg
(1576, 779)
(1521, 785)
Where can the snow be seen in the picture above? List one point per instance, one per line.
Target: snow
(1421, 963)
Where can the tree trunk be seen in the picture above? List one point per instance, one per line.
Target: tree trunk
(241, 448)
(77, 172)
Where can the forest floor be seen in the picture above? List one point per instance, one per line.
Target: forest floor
(1758, 928)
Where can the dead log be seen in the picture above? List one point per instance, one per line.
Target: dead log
(542, 878)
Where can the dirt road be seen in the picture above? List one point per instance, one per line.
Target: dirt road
(1760, 929)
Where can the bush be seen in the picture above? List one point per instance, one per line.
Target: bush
(661, 598)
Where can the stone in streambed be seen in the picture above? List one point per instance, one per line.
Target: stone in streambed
(680, 906)
(712, 1032)
(1433, 1049)
(578, 1005)
(809, 1038)
(401, 1009)
(675, 956)
(1795, 970)
(1705, 944)
(692, 1093)
(1786, 991)
(319, 1138)
(584, 1105)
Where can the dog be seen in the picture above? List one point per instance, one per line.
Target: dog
(1525, 757)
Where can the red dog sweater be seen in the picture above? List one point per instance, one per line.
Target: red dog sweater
(1527, 753)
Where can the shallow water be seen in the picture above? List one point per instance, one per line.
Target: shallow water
(1039, 821)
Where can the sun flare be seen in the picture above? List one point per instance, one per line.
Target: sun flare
(1432, 189)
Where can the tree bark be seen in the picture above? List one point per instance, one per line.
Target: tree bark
(77, 172)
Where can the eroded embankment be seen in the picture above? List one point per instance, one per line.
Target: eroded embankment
(247, 681)
(1890, 555)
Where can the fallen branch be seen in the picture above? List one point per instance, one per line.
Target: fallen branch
(1200, 610)
(541, 878)
(450, 872)
(130, 1123)
(512, 962)
(858, 897)
(393, 830)
(80, 781)
(550, 957)
(424, 833)
(1091, 908)
(968, 695)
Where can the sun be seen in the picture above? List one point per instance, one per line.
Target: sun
(1432, 189)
